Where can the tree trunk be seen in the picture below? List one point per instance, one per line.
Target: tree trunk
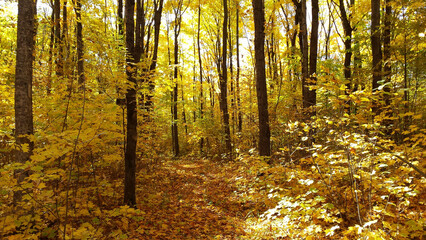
(175, 136)
(58, 39)
(387, 69)
(131, 59)
(231, 77)
(23, 84)
(376, 46)
(64, 50)
(311, 93)
(51, 51)
(329, 28)
(262, 97)
(185, 124)
(158, 9)
(406, 82)
(120, 21)
(224, 81)
(80, 46)
(237, 77)
(347, 28)
(200, 62)
(303, 42)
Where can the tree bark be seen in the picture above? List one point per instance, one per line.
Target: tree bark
(200, 62)
(64, 49)
(347, 28)
(231, 78)
(313, 54)
(175, 135)
(132, 57)
(120, 21)
(23, 84)
(387, 68)
(223, 82)
(376, 44)
(80, 46)
(58, 39)
(237, 77)
(158, 9)
(262, 97)
(158, 5)
(51, 51)
(303, 43)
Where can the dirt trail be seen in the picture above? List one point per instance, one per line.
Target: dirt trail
(189, 199)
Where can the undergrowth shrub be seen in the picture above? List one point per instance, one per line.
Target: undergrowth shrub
(339, 179)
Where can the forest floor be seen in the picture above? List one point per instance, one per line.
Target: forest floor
(202, 198)
(190, 199)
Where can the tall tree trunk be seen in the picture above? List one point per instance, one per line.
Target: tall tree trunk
(120, 21)
(185, 124)
(175, 135)
(262, 96)
(231, 77)
(132, 57)
(292, 46)
(406, 81)
(376, 47)
(311, 93)
(51, 51)
(194, 79)
(200, 62)
(237, 77)
(387, 69)
(328, 29)
(303, 42)
(347, 28)
(23, 84)
(223, 82)
(158, 9)
(58, 39)
(64, 49)
(80, 46)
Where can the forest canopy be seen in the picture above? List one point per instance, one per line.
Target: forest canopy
(222, 119)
